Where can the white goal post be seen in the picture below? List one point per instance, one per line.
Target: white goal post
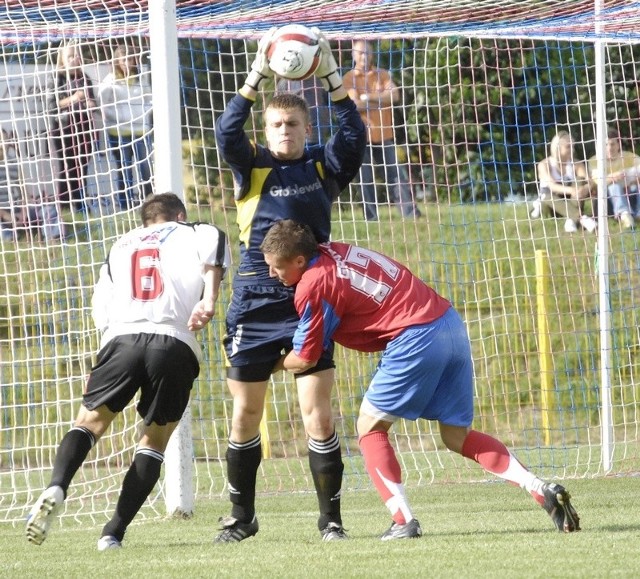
(484, 86)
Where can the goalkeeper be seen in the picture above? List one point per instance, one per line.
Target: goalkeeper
(369, 302)
(278, 181)
(159, 284)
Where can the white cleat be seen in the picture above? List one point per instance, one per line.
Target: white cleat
(43, 513)
(108, 542)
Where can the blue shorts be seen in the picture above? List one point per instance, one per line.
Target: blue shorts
(427, 372)
(260, 324)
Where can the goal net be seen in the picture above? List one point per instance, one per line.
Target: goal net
(483, 88)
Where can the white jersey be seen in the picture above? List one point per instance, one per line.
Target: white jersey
(566, 176)
(153, 278)
(126, 105)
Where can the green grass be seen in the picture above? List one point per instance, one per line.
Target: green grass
(470, 530)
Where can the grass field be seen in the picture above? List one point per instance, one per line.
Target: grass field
(470, 530)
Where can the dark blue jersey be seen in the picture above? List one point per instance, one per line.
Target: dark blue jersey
(268, 190)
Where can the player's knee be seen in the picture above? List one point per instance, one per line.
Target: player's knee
(319, 425)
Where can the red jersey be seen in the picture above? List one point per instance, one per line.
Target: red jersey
(359, 298)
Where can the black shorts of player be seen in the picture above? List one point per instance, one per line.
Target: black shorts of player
(260, 324)
(162, 367)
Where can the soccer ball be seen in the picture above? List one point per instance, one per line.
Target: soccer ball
(294, 53)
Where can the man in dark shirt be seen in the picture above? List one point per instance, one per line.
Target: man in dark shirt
(281, 181)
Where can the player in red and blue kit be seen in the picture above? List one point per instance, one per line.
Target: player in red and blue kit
(368, 302)
(283, 180)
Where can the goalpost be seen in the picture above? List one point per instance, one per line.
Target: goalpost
(484, 85)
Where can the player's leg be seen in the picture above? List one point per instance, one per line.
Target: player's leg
(402, 387)
(109, 389)
(260, 321)
(89, 426)
(455, 412)
(244, 454)
(325, 455)
(139, 481)
(495, 458)
(166, 374)
(384, 470)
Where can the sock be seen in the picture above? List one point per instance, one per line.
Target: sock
(142, 476)
(493, 456)
(325, 463)
(72, 451)
(385, 472)
(243, 460)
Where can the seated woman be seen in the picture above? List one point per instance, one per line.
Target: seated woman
(623, 171)
(564, 185)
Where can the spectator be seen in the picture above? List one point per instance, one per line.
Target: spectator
(283, 179)
(125, 99)
(10, 195)
(159, 284)
(73, 132)
(371, 303)
(623, 170)
(310, 89)
(24, 210)
(564, 185)
(375, 93)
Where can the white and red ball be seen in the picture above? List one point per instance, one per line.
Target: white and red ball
(294, 53)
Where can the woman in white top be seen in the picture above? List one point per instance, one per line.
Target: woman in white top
(564, 185)
(125, 98)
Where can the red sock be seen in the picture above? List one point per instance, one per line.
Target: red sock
(494, 457)
(384, 469)
(487, 451)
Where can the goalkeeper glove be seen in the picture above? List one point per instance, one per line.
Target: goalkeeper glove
(327, 70)
(260, 65)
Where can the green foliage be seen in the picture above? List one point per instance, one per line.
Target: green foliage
(481, 111)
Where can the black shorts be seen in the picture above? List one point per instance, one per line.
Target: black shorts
(260, 324)
(162, 367)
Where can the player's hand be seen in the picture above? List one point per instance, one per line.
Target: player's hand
(260, 65)
(327, 70)
(200, 316)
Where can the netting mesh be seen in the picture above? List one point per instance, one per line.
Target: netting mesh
(484, 87)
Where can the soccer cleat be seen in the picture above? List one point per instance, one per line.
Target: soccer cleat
(108, 542)
(233, 531)
(410, 530)
(560, 509)
(333, 532)
(43, 514)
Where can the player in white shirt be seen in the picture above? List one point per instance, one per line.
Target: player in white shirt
(158, 286)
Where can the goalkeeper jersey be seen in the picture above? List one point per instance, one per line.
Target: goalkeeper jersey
(153, 278)
(359, 298)
(268, 190)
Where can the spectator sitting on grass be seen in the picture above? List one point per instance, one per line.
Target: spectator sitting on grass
(564, 185)
(622, 179)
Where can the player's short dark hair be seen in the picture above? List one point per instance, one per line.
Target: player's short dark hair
(162, 207)
(288, 239)
(288, 101)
